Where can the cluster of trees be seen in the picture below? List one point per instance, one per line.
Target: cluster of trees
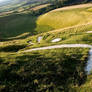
(70, 1)
(57, 4)
(42, 10)
(61, 3)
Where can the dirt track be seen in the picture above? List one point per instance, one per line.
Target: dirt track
(60, 46)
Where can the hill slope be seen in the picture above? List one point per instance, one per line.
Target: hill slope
(60, 19)
(57, 19)
(56, 70)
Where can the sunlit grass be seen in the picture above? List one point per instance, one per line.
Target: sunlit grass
(64, 18)
(75, 35)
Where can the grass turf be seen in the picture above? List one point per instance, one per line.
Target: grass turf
(49, 70)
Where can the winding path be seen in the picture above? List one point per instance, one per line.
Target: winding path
(60, 46)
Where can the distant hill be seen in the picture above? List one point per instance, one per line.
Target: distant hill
(13, 4)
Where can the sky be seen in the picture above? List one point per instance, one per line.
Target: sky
(3, 1)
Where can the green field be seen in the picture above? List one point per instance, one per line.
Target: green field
(57, 70)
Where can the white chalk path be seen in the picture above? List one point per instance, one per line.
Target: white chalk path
(89, 32)
(56, 40)
(60, 46)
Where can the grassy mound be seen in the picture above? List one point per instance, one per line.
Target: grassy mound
(63, 18)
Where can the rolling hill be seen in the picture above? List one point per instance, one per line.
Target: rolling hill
(47, 70)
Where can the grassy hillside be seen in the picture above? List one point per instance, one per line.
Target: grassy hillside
(17, 24)
(43, 71)
(68, 36)
(62, 19)
(57, 70)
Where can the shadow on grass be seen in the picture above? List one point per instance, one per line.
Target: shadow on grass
(37, 73)
(17, 24)
(12, 48)
(20, 26)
